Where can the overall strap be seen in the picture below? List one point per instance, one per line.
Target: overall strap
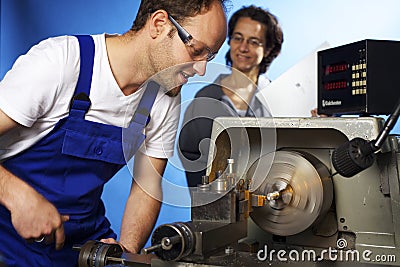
(80, 102)
(142, 113)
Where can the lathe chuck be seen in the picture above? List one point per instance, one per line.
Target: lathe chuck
(299, 189)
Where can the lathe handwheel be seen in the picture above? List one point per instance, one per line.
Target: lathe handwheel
(95, 253)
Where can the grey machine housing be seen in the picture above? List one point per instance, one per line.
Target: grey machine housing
(363, 212)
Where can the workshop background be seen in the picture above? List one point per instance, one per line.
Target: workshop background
(306, 25)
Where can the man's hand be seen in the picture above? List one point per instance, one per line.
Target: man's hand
(314, 113)
(113, 241)
(35, 218)
(32, 216)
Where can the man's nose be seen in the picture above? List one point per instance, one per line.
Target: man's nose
(200, 67)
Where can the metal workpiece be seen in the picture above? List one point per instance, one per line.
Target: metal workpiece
(275, 195)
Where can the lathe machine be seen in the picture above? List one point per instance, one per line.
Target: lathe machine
(272, 197)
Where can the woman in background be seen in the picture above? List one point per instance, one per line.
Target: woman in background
(255, 39)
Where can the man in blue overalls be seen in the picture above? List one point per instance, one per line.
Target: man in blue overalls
(73, 111)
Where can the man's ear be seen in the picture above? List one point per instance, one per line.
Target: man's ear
(158, 23)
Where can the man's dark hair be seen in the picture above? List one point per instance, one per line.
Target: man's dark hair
(273, 33)
(178, 9)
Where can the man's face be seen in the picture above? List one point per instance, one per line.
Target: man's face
(177, 61)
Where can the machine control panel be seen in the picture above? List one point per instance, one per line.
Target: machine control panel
(359, 78)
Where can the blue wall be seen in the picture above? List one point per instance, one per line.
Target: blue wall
(306, 24)
(26, 22)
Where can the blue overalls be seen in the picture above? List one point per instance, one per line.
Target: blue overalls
(69, 167)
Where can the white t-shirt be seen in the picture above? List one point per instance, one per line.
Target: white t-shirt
(38, 89)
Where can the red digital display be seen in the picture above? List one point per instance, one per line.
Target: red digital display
(334, 85)
(336, 68)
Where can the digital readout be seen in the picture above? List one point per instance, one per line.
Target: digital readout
(336, 68)
(334, 85)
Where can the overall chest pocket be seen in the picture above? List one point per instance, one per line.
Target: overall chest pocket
(91, 146)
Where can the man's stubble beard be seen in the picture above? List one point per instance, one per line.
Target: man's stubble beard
(174, 92)
(165, 75)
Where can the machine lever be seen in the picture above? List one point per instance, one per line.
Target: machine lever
(166, 244)
(152, 249)
(358, 154)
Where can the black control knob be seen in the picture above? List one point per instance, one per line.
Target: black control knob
(353, 157)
